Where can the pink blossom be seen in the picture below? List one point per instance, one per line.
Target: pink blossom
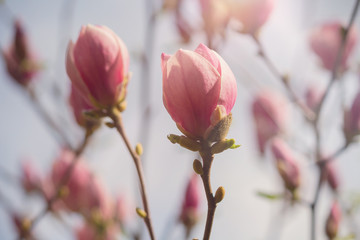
(21, 63)
(313, 96)
(85, 192)
(216, 15)
(31, 178)
(195, 84)
(332, 176)
(270, 114)
(352, 119)
(253, 14)
(97, 65)
(123, 209)
(333, 221)
(325, 41)
(88, 232)
(191, 202)
(286, 164)
(79, 104)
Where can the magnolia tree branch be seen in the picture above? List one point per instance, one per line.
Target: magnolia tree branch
(307, 112)
(339, 55)
(205, 176)
(322, 162)
(118, 124)
(57, 195)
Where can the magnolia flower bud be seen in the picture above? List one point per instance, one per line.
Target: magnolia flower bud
(97, 64)
(197, 86)
(287, 166)
(31, 178)
(93, 232)
(352, 120)
(85, 192)
(190, 208)
(333, 221)
(270, 114)
(332, 176)
(313, 96)
(20, 62)
(79, 104)
(325, 41)
(252, 14)
(216, 15)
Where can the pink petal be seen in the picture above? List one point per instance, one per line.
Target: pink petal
(98, 61)
(191, 88)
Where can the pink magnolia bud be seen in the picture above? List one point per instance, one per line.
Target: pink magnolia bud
(97, 65)
(325, 41)
(190, 207)
(31, 178)
(352, 119)
(313, 96)
(21, 64)
(183, 27)
(286, 164)
(333, 221)
(252, 14)
(332, 176)
(79, 104)
(122, 209)
(216, 15)
(198, 89)
(90, 232)
(85, 192)
(270, 116)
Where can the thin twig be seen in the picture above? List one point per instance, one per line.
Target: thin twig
(307, 112)
(339, 55)
(207, 162)
(63, 181)
(320, 162)
(117, 119)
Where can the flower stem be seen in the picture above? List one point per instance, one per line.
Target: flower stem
(116, 117)
(207, 162)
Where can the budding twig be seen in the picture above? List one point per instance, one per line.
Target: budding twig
(117, 119)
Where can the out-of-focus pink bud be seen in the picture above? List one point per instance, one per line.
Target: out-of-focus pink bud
(352, 119)
(31, 178)
(122, 209)
(216, 15)
(85, 192)
(89, 232)
(199, 89)
(79, 104)
(270, 115)
(313, 96)
(190, 207)
(333, 221)
(332, 176)
(170, 4)
(97, 65)
(325, 41)
(183, 27)
(20, 62)
(252, 14)
(286, 164)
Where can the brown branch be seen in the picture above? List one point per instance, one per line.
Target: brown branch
(117, 120)
(207, 162)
